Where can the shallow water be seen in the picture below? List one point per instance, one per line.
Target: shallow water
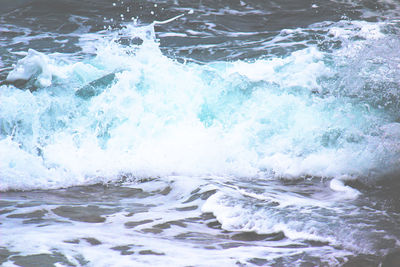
(199, 133)
(165, 221)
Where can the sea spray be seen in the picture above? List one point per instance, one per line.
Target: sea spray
(243, 133)
(130, 109)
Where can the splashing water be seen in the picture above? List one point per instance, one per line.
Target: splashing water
(132, 111)
(265, 159)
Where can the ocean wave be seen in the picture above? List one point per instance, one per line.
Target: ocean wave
(131, 109)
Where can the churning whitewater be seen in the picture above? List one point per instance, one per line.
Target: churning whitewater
(199, 134)
(131, 111)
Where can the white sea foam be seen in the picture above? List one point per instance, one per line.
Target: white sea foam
(209, 138)
(34, 63)
(236, 215)
(339, 186)
(158, 117)
(360, 29)
(289, 214)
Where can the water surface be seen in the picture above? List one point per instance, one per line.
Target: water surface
(199, 133)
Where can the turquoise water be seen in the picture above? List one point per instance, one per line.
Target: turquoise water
(235, 133)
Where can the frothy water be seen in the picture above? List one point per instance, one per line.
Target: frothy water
(269, 147)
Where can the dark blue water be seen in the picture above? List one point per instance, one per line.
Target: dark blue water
(199, 133)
